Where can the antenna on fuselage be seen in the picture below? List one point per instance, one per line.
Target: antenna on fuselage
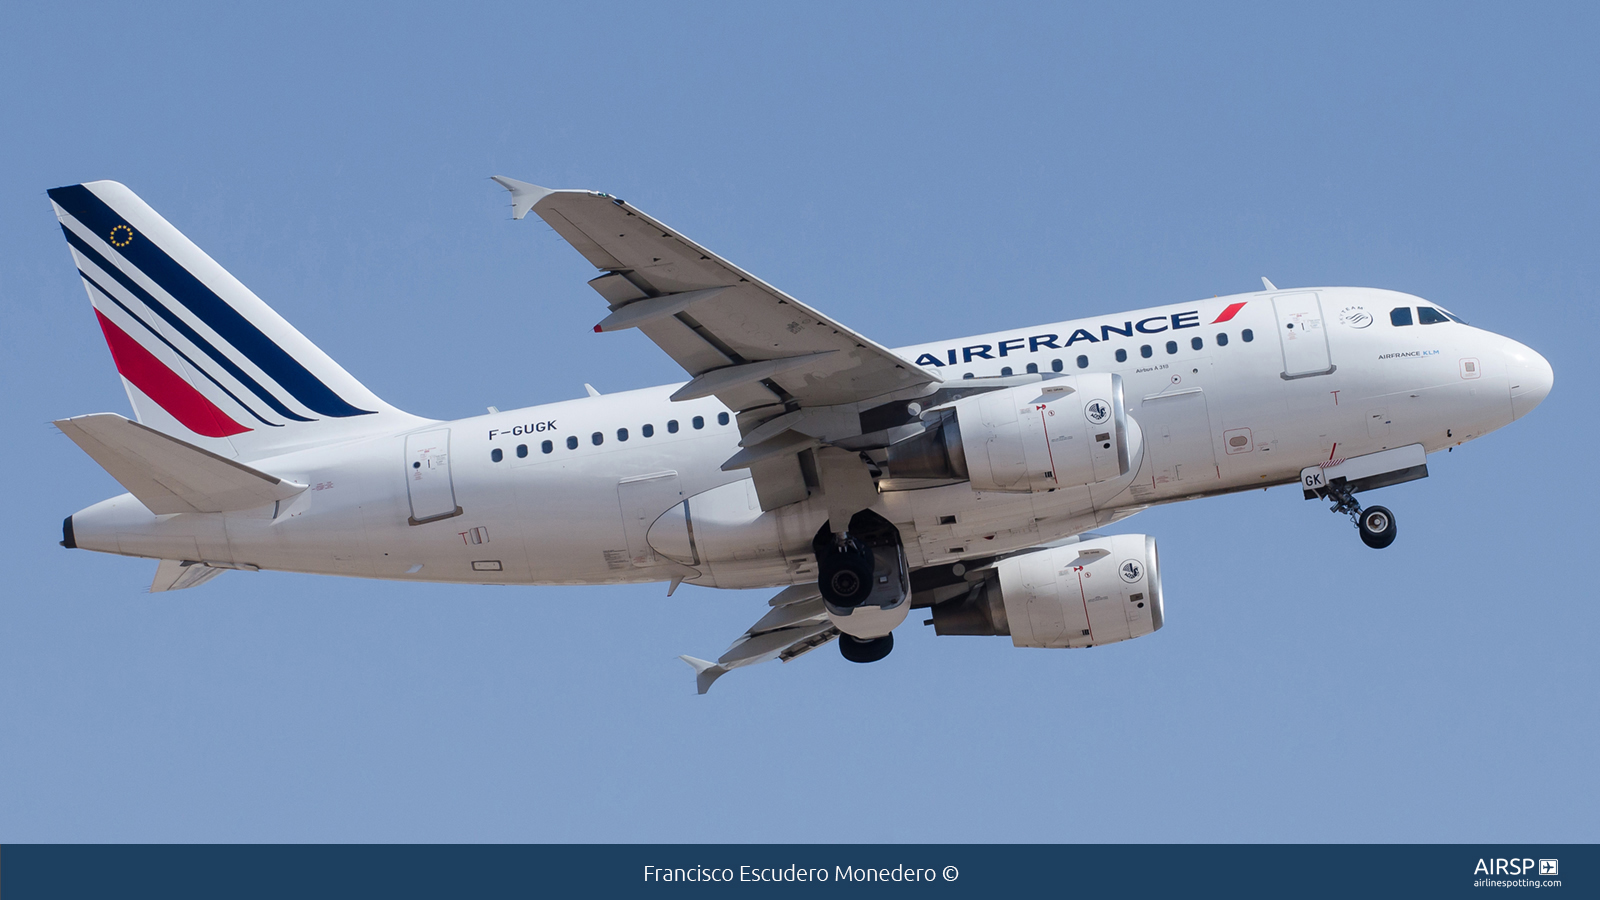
(1267, 284)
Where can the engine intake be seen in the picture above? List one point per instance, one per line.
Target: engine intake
(1095, 591)
(1063, 432)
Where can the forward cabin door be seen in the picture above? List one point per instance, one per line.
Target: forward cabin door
(644, 498)
(433, 494)
(1303, 335)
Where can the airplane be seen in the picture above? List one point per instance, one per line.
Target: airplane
(964, 477)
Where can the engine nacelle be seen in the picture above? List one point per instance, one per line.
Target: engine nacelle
(1095, 591)
(1059, 433)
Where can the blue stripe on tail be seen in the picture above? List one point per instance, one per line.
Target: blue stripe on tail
(82, 204)
(183, 328)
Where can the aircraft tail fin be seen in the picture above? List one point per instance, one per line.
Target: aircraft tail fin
(202, 357)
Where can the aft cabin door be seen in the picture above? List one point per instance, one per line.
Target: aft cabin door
(1302, 332)
(433, 495)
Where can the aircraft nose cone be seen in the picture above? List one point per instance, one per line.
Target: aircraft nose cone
(1531, 379)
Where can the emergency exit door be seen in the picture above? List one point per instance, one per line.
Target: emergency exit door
(433, 495)
(1303, 334)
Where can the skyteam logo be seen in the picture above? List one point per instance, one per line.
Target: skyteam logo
(1355, 317)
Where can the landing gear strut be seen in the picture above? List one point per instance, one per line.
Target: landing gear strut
(1375, 523)
(844, 571)
(865, 584)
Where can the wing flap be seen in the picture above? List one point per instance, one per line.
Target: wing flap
(169, 475)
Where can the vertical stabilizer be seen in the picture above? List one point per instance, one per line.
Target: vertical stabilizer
(202, 357)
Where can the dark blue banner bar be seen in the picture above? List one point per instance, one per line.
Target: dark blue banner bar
(943, 871)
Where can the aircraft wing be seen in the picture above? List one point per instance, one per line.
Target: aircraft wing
(758, 350)
(797, 624)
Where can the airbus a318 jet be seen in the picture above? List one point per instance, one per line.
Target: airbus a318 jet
(962, 477)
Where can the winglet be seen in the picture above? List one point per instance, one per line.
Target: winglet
(705, 672)
(1267, 284)
(523, 194)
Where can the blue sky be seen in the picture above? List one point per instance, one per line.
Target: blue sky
(921, 171)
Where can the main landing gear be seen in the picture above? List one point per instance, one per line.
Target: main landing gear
(863, 578)
(1375, 523)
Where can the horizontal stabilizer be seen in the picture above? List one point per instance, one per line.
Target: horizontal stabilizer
(175, 575)
(168, 475)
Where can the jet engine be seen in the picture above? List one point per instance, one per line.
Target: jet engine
(1095, 591)
(1059, 433)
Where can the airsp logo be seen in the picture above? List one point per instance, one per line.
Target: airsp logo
(1131, 570)
(1097, 412)
(1355, 317)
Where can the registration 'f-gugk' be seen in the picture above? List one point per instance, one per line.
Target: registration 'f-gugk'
(965, 476)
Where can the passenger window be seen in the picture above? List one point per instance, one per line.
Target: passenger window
(522, 451)
(547, 447)
(1005, 371)
(496, 455)
(648, 431)
(1400, 315)
(1033, 368)
(1427, 315)
(1145, 351)
(1196, 343)
(1222, 339)
(1056, 366)
(698, 422)
(572, 442)
(622, 434)
(1172, 347)
(968, 375)
(1122, 355)
(722, 418)
(1083, 362)
(1247, 335)
(672, 426)
(597, 439)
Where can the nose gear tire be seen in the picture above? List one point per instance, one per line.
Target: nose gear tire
(859, 651)
(1377, 527)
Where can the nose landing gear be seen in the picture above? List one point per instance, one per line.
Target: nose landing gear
(1375, 523)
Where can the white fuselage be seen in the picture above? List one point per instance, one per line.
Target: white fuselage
(1213, 418)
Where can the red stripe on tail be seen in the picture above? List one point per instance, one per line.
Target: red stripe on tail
(162, 385)
(1230, 312)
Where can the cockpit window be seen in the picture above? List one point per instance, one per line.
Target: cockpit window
(1427, 315)
(1400, 315)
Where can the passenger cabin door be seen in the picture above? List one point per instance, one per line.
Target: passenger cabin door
(1303, 335)
(433, 494)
